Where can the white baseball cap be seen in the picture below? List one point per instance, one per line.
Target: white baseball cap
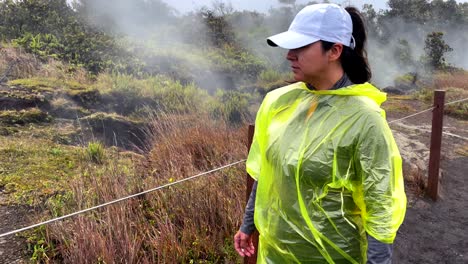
(328, 22)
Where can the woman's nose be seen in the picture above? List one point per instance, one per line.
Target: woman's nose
(291, 55)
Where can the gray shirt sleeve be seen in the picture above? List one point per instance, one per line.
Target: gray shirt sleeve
(248, 226)
(378, 252)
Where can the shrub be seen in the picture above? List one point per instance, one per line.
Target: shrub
(44, 45)
(55, 29)
(238, 62)
(158, 92)
(232, 106)
(95, 152)
(15, 63)
(190, 222)
(269, 76)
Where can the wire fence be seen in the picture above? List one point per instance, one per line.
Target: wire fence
(180, 181)
(415, 114)
(427, 110)
(120, 199)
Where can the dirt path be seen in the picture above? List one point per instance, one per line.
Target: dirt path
(438, 232)
(12, 248)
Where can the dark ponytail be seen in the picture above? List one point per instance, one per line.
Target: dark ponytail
(354, 61)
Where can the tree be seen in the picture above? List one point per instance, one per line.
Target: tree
(410, 10)
(435, 48)
(287, 2)
(219, 32)
(403, 54)
(446, 12)
(370, 18)
(221, 8)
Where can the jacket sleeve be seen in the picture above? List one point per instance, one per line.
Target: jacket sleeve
(380, 189)
(256, 152)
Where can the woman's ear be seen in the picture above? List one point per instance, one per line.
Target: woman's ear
(334, 53)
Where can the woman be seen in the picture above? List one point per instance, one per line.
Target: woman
(329, 185)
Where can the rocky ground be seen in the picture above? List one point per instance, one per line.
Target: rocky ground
(436, 232)
(12, 248)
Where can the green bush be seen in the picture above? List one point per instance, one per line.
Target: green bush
(95, 152)
(236, 61)
(53, 28)
(232, 106)
(271, 76)
(43, 45)
(157, 92)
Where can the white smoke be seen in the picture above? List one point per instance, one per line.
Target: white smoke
(386, 66)
(160, 28)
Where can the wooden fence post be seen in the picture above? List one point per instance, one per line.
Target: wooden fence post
(250, 181)
(436, 142)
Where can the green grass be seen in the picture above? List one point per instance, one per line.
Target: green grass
(48, 84)
(462, 150)
(53, 87)
(158, 92)
(271, 76)
(95, 152)
(25, 116)
(35, 169)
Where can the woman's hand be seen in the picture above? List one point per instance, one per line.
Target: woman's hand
(243, 244)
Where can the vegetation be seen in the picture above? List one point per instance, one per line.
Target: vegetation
(160, 226)
(23, 117)
(93, 110)
(456, 87)
(436, 48)
(95, 152)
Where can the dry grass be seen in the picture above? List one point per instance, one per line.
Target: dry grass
(456, 87)
(397, 106)
(65, 72)
(15, 63)
(445, 80)
(189, 222)
(462, 150)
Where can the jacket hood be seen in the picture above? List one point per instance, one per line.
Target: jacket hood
(365, 89)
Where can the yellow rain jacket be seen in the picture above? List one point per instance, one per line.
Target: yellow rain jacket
(328, 172)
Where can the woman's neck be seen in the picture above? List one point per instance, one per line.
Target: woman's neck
(326, 80)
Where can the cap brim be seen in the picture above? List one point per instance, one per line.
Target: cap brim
(290, 40)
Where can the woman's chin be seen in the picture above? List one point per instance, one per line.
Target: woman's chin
(298, 78)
